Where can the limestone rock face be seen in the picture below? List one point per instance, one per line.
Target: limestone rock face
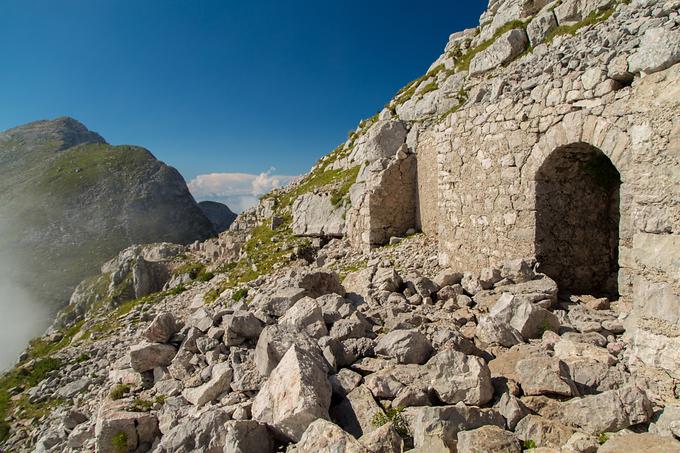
(382, 141)
(314, 214)
(385, 202)
(296, 394)
(504, 49)
(219, 215)
(659, 49)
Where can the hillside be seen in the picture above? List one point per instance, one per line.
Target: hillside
(69, 201)
(489, 264)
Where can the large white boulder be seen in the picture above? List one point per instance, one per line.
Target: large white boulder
(296, 394)
(504, 49)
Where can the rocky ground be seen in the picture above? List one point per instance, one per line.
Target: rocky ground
(293, 332)
(397, 355)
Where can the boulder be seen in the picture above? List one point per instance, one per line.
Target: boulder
(639, 442)
(609, 411)
(356, 411)
(512, 409)
(324, 436)
(278, 303)
(460, 377)
(219, 383)
(118, 430)
(246, 377)
(240, 326)
(407, 346)
(435, 429)
(147, 356)
(504, 49)
(519, 270)
(201, 319)
(544, 432)
(344, 381)
(544, 375)
(320, 283)
(659, 50)
(668, 422)
(296, 393)
(334, 307)
(246, 436)
(275, 341)
(161, 329)
(453, 376)
(384, 439)
(530, 320)
(540, 26)
(306, 316)
(205, 432)
(356, 326)
(488, 438)
(492, 330)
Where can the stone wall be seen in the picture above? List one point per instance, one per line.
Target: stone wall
(506, 128)
(427, 193)
(385, 206)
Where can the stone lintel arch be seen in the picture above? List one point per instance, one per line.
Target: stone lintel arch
(578, 127)
(578, 218)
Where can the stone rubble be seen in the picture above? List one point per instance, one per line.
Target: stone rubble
(448, 340)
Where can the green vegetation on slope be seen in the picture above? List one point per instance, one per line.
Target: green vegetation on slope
(463, 61)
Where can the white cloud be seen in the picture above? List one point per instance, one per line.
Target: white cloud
(239, 191)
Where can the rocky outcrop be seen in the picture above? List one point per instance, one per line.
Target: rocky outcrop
(316, 214)
(220, 216)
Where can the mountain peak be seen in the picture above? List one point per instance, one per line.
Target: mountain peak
(65, 131)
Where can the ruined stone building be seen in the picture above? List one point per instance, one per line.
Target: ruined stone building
(550, 131)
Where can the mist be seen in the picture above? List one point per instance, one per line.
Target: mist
(23, 315)
(21, 319)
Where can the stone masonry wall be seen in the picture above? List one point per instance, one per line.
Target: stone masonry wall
(573, 93)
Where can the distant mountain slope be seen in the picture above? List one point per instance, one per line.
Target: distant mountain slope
(69, 201)
(219, 214)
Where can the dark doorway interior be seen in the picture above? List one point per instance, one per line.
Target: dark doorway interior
(577, 220)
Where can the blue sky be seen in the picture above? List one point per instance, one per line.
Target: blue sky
(218, 86)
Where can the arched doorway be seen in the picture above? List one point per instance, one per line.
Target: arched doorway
(577, 220)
